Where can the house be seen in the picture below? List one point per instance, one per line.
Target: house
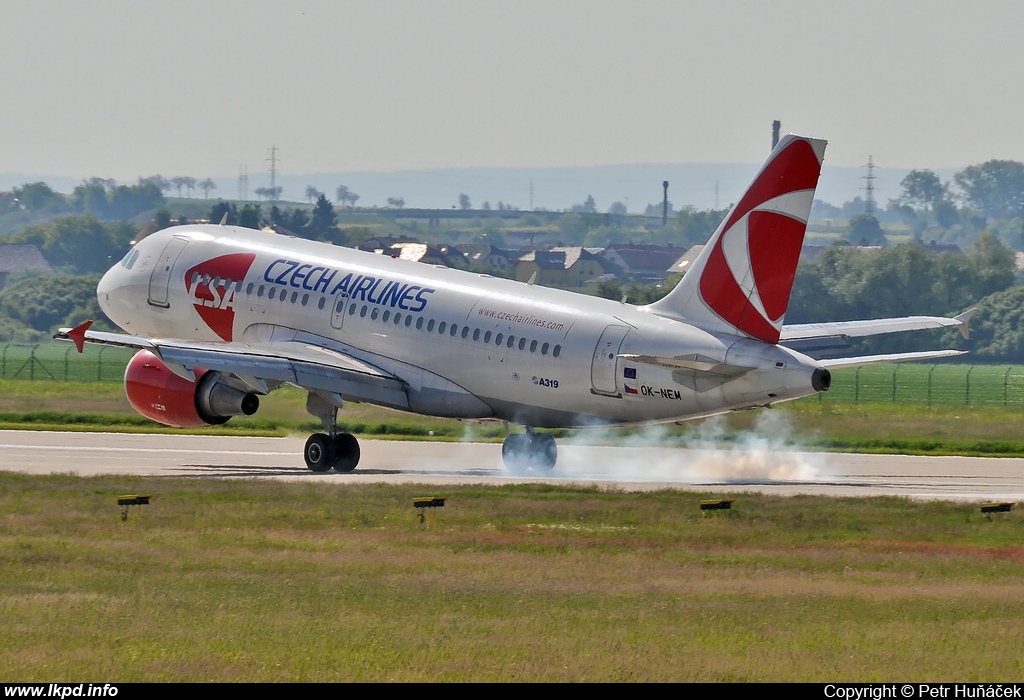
(563, 267)
(645, 264)
(683, 262)
(487, 255)
(15, 258)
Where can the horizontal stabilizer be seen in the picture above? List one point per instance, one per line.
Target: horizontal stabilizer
(841, 362)
(696, 363)
(858, 329)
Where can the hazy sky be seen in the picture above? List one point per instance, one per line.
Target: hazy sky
(122, 88)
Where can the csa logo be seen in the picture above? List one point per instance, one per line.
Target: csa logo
(211, 286)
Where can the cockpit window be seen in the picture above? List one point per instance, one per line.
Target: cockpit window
(129, 259)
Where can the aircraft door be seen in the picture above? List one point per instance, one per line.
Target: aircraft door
(338, 310)
(160, 278)
(603, 368)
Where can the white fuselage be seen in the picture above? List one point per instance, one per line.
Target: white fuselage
(466, 345)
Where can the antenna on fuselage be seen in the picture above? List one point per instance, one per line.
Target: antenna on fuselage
(533, 278)
(224, 219)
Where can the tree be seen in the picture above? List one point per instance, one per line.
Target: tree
(249, 216)
(946, 214)
(49, 301)
(296, 221)
(312, 193)
(864, 229)
(396, 202)
(37, 196)
(464, 202)
(207, 185)
(588, 206)
(323, 223)
(220, 209)
(995, 188)
(341, 194)
(91, 196)
(921, 189)
(271, 194)
(617, 209)
(178, 183)
(190, 183)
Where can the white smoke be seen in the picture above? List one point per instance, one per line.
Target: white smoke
(768, 452)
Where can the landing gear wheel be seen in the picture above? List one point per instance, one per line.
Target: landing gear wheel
(515, 453)
(536, 451)
(545, 452)
(346, 452)
(319, 452)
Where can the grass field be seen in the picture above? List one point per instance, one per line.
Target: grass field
(245, 581)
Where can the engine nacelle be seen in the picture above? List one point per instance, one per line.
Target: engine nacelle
(159, 394)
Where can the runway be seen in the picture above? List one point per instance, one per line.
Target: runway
(627, 468)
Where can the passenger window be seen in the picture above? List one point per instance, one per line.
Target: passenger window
(476, 334)
(511, 341)
(430, 325)
(465, 332)
(259, 292)
(533, 346)
(398, 318)
(374, 314)
(544, 349)
(272, 293)
(487, 337)
(441, 327)
(248, 290)
(501, 336)
(385, 317)
(323, 302)
(295, 295)
(408, 321)
(557, 351)
(453, 331)
(419, 323)
(351, 309)
(522, 343)
(362, 312)
(305, 299)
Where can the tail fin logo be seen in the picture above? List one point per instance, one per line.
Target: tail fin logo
(749, 273)
(212, 286)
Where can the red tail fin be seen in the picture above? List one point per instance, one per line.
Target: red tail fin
(742, 280)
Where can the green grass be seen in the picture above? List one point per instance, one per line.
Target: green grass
(257, 581)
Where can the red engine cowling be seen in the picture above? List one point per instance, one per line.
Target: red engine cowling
(159, 394)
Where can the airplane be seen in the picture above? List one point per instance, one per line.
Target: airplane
(221, 315)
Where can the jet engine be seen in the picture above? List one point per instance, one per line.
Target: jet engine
(161, 395)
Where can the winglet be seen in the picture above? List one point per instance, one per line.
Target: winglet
(77, 334)
(962, 322)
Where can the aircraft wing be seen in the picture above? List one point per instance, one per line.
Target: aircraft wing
(300, 363)
(858, 329)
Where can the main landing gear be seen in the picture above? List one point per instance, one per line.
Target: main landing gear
(529, 450)
(329, 450)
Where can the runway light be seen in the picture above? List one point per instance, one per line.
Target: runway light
(128, 501)
(423, 503)
(996, 507)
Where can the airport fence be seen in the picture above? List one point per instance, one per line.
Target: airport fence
(61, 362)
(911, 383)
